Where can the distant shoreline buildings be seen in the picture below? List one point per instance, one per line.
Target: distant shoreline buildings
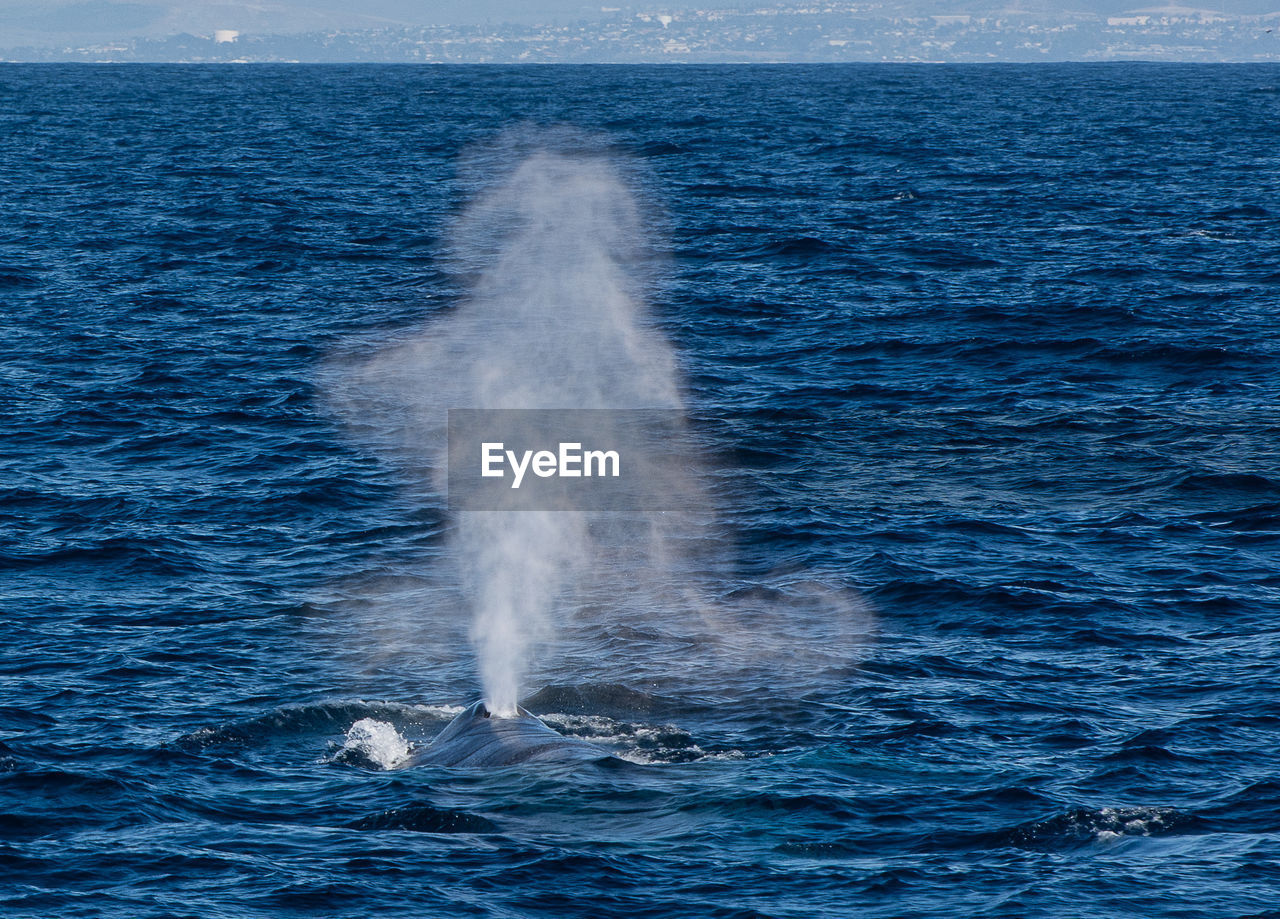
(783, 32)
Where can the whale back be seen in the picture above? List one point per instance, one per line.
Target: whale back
(477, 738)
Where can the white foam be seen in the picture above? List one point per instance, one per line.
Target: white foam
(636, 743)
(377, 741)
(1136, 821)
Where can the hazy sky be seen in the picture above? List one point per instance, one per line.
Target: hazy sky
(53, 22)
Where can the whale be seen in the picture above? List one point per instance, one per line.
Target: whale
(479, 738)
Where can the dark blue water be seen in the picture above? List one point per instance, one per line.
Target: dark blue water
(989, 354)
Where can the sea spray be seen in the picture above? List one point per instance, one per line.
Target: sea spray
(374, 742)
(555, 262)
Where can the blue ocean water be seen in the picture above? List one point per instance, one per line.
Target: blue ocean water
(985, 362)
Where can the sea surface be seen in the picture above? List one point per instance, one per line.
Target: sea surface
(986, 364)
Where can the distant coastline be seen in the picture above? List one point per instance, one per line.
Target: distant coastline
(780, 32)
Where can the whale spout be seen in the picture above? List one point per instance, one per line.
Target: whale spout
(477, 738)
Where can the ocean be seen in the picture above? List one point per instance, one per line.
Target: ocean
(977, 610)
